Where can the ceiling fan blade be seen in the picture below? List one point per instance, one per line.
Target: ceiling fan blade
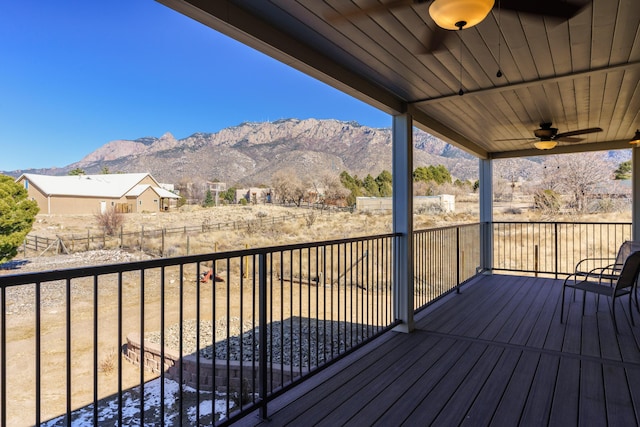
(516, 139)
(577, 132)
(552, 8)
(374, 8)
(568, 139)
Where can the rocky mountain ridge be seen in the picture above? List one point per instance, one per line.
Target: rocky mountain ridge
(250, 153)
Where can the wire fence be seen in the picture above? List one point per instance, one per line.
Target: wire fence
(151, 240)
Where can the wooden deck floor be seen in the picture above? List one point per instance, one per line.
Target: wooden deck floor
(496, 354)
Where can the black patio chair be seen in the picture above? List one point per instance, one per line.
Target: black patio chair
(624, 285)
(606, 268)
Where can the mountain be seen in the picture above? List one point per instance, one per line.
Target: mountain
(250, 153)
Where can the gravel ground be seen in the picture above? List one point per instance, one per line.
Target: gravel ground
(53, 294)
(296, 341)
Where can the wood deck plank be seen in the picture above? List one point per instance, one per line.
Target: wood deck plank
(487, 401)
(428, 408)
(534, 309)
(379, 382)
(515, 395)
(421, 386)
(373, 407)
(544, 323)
(456, 408)
(509, 315)
(564, 410)
(618, 402)
(538, 407)
(485, 293)
(455, 371)
(592, 410)
(382, 356)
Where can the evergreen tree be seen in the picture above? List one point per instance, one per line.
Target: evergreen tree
(371, 186)
(76, 171)
(208, 199)
(17, 215)
(385, 183)
(623, 171)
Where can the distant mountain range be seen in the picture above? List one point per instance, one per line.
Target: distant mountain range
(250, 153)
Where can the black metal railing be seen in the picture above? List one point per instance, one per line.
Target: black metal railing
(236, 329)
(554, 247)
(444, 259)
(209, 338)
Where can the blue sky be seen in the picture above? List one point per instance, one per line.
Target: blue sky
(76, 74)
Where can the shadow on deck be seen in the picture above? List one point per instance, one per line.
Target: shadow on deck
(496, 354)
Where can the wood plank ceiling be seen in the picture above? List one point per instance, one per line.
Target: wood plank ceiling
(578, 73)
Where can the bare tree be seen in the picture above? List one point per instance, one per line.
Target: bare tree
(288, 187)
(330, 189)
(577, 175)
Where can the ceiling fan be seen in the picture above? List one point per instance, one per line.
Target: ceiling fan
(461, 14)
(548, 137)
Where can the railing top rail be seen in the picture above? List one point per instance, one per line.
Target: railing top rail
(72, 273)
(562, 222)
(447, 227)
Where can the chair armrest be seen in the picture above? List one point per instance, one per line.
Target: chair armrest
(586, 260)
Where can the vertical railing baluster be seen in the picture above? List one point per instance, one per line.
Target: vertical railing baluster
(142, 347)
(95, 350)
(458, 260)
(120, 403)
(162, 342)
(68, 335)
(38, 351)
(262, 311)
(181, 342)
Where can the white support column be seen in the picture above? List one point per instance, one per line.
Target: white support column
(635, 193)
(486, 214)
(403, 220)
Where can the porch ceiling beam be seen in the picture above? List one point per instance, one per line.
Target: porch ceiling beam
(430, 125)
(620, 144)
(224, 16)
(531, 83)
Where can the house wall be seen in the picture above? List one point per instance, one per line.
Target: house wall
(148, 201)
(79, 205)
(37, 195)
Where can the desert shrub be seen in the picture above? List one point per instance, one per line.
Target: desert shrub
(243, 202)
(311, 218)
(548, 201)
(109, 363)
(109, 221)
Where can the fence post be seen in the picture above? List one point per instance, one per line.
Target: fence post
(142, 238)
(121, 237)
(536, 255)
(188, 244)
(89, 238)
(164, 230)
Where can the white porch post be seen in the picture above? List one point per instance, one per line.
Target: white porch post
(635, 194)
(486, 214)
(403, 220)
